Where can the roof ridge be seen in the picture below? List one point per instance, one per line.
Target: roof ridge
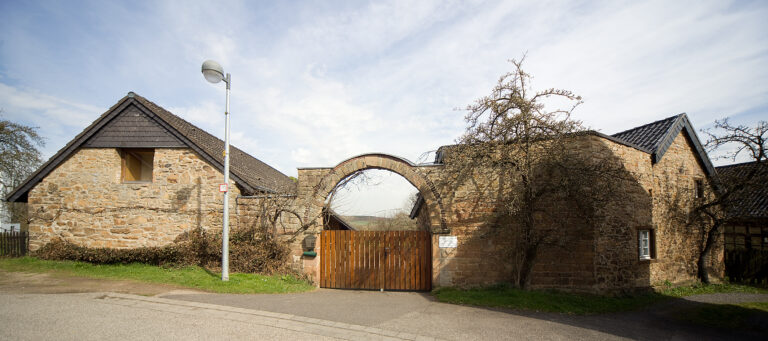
(14, 194)
(738, 164)
(649, 124)
(247, 170)
(234, 167)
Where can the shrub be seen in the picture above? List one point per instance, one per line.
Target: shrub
(250, 252)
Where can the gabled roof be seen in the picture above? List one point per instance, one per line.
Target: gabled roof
(656, 137)
(331, 214)
(250, 173)
(417, 205)
(752, 201)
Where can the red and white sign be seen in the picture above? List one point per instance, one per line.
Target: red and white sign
(223, 188)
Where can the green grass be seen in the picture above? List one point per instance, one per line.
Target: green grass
(547, 301)
(573, 303)
(189, 277)
(698, 289)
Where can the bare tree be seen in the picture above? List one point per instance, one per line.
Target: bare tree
(712, 214)
(19, 157)
(521, 156)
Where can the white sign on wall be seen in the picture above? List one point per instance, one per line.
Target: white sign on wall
(447, 241)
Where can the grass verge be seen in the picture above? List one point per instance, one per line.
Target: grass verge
(571, 303)
(189, 277)
(547, 301)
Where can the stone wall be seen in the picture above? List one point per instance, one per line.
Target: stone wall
(599, 256)
(677, 243)
(574, 251)
(259, 213)
(84, 200)
(617, 260)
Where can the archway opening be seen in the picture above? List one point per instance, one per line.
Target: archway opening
(374, 200)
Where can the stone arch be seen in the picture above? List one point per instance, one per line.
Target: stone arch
(392, 163)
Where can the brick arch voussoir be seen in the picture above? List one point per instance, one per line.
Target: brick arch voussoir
(391, 163)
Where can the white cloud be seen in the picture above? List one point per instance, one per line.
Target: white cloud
(314, 84)
(59, 119)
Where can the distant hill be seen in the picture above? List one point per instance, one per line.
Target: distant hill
(400, 222)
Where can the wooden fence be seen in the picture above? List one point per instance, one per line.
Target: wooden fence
(391, 260)
(14, 244)
(747, 266)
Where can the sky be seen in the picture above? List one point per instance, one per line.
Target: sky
(316, 82)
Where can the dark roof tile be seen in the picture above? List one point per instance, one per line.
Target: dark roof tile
(256, 173)
(252, 172)
(752, 201)
(648, 136)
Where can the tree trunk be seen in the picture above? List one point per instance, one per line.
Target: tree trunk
(524, 280)
(709, 242)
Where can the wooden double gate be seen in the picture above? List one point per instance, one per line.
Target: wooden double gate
(390, 260)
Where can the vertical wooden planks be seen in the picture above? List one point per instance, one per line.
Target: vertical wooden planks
(393, 260)
(323, 256)
(337, 270)
(389, 274)
(379, 258)
(426, 261)
(370, 245)
(404, 265)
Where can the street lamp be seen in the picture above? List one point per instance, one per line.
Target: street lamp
(214, 73)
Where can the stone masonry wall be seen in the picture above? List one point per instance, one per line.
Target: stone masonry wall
(601, 256)
(84, 201)
(677, 244)
(580, 257)
(257, 212)
(617, 264)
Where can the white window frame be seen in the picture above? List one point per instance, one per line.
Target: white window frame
(698, 188)
(644, 249)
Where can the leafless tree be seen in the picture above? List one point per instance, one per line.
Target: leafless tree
(712, 214)
(19, 157)
(522, 157)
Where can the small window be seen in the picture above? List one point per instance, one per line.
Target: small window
(645, 244)
(137, 165)
(699, 188)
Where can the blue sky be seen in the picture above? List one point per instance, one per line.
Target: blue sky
(319, 81)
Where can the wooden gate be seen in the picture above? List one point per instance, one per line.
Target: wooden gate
(390, 260)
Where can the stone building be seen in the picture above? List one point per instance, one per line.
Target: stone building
(140, 176)
(643, 239)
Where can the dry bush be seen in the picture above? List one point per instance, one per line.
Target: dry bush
(250, 252)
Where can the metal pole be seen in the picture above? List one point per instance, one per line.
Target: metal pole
(225, 229)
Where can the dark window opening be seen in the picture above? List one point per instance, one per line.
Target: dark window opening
(137, 164)
(699, 188)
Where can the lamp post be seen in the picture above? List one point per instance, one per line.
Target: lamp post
(214, 73)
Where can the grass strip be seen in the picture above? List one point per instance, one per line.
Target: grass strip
(547, 301)
(190, 276)
(699, 289)
(503, 296)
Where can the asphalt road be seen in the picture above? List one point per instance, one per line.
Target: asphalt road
(91, 316)
(44, 307)
(419, 313)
